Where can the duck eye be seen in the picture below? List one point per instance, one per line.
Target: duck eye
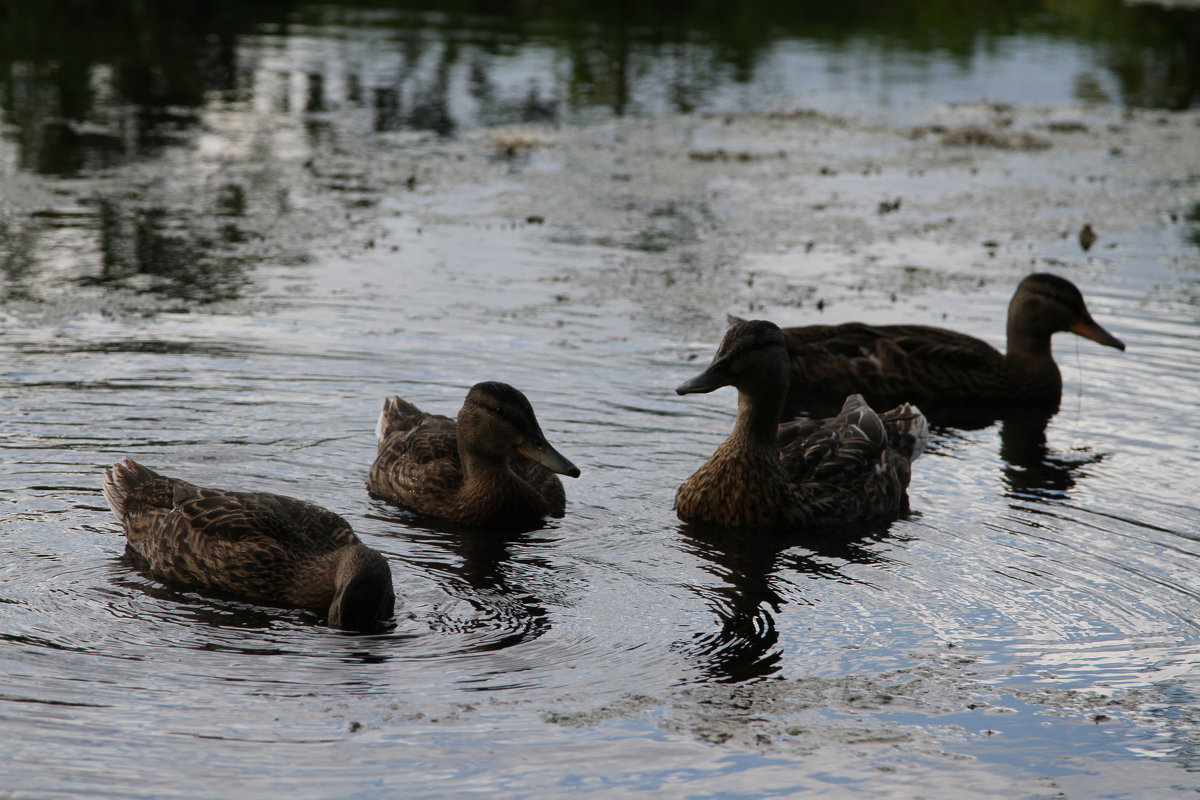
(498, 411)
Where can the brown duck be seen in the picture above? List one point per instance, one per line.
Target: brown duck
(491, 468)
(950, 375)
(852, 467)
(261, 547)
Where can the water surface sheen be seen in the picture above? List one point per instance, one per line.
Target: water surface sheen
(238, 310)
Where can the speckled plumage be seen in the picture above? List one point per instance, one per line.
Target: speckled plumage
(263, 547)
(853, 467)
(951, 375)
(492, 467)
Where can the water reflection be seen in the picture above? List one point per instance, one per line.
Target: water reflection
(1193, 219)
(479, 568)
(150, 244)
(118, 243)
(1032, 470)
(187, 608)
(760, 574)
(126, 81)
(120, 81)
(232, 83)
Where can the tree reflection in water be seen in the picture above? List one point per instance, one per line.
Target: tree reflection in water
(250, 91)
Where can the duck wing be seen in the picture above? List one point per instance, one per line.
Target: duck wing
(833, 449)
(855, 465)
(887, 363)
(400, 416)
(293, 525)
(246, 542)
(147, 503)
(418, 466)
(855, 340)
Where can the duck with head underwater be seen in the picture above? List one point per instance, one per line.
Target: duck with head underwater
(955, 378)
(850, 468)
(490, 468)
(262, 547)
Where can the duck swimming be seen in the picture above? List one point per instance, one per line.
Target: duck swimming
(492, 467)
(262, 547)
(950, 375)
(852, 467)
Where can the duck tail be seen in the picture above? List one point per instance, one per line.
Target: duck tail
(398, 415)
(122, 480)
(906, 423)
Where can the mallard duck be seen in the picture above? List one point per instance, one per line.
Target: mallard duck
(948, 374)
(262, 547)
(491, 468)
(852, 467)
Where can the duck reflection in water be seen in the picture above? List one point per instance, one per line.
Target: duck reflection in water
(771, 489)
(479, 568)
(760, 575)
(1033, 471)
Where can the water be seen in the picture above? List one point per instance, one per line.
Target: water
(227, 291)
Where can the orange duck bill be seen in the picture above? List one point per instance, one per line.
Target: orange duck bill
(1088, 328)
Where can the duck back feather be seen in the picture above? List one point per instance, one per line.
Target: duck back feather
(259, 546)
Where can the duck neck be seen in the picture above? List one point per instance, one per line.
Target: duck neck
(1025, 338)
(758, 421)
(493, 494)
(1029, 365)
(480, 466)
(1031, 344)
(486, 473)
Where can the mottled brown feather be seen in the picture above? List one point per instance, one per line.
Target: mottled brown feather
(853, 467)
(420, 462)
(263, 547)
(952, 376)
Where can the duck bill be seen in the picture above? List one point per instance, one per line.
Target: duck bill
(539, 451)
(1088, 328)
(717, 375)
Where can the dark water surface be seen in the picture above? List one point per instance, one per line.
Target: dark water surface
(229, 230)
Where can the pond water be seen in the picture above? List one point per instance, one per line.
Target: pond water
(225, 243)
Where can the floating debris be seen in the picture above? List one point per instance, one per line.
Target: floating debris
(975, 136)
(1066, 126)
(721, 154)
(1087, 237)
(510, 142)
(888, 206)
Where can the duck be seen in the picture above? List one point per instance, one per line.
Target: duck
(257, 546)
(810, 473)
(952, 376)
(491, 467)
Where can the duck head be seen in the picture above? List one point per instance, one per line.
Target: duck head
(363, 595)
(752, 357)
(1044, 304)
(496, 422)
